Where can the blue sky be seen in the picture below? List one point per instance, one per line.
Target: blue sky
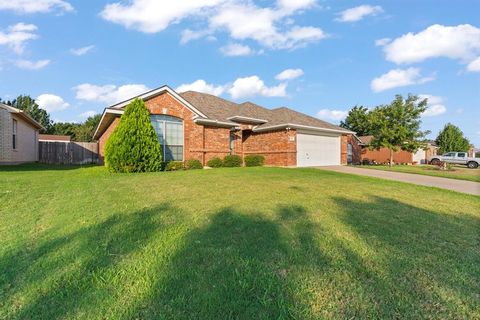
(317, 57)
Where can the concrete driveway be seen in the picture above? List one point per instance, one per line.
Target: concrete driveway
(445, 183)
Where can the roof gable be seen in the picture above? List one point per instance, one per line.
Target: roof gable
(156, 92)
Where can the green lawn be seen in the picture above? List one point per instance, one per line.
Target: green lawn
(457, 172)
(241, 243)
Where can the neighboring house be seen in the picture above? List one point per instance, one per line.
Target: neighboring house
(383, 154)
(18, 136)
(53, 138)
(193, 125)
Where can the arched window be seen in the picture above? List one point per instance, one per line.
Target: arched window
(170, 134)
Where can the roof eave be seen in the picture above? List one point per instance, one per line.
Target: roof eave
(216, 123)
(300, 126)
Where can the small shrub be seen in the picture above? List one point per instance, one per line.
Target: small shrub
(174, 166)
(254, 160)
(232, 161)
(215, 163)
(193, 164)
(365, 162)
(445, 166)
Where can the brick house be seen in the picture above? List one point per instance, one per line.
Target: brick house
(18, 136)
(194, 125)
(383, 154)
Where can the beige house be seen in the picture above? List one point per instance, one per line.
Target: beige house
(18, 136)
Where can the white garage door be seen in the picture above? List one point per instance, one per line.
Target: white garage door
(314, 150)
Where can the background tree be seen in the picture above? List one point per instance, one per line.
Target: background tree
(133, 145)
(397, 125)
(451, 138)
(358, 120)
(77, 131)
(30, 107)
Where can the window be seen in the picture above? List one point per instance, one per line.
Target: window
(14, 134)
(462, 155)
(170, 135)
(349, 153)
(450, 154)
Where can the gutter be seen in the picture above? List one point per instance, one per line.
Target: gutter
(216, 123)
(299, 126)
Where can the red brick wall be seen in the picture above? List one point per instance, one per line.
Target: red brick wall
(278, 147)
(356, 149)
(383, 155)
(103, 139)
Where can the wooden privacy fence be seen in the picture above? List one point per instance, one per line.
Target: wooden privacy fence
(68, 152)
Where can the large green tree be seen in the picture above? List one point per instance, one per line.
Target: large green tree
(396, 126)
(30, 107)
(451, 138)
(133, 145)
(358, 120)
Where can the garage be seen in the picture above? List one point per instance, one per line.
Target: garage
(318, 150)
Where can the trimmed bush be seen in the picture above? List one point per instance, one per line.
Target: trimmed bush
(232, 161)
(215, 163)
(174, 166)
(193, 164)
(254, 160)
(133, 145)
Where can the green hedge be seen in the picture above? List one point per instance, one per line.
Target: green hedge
(254, 160)
(174, 166)
(193, 164)
(133, 146)
(215, 163)
(232, 161)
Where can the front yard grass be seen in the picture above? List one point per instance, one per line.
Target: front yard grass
(239, 243)
(457, 172)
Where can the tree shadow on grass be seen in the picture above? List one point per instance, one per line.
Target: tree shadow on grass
(81, 269)
(236, 267)
(430, 261)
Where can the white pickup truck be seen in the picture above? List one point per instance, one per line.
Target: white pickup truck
(456, 158)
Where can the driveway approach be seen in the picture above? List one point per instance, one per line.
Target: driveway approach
(445, 183)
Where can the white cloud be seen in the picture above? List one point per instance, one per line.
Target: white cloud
(293, 5)
(264, 25)
(358, 13)
(329, 115)
(269, 26)
(474, 66)
(435, 106)
(236, 50)
(399, 78)
(460, 42)
(201, 86)
(382, 42)
(289, 74)
(109, 94)
(16, 36)
(81, 51)
(254, 86)
(151, 16)
(51, 102)
(32, 65)
(190, 35)
(88, 114)
(35, 6)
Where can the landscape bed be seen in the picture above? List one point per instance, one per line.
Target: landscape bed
(456, 171)
(233, 243)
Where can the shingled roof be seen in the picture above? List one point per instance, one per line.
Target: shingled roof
(223, 110)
